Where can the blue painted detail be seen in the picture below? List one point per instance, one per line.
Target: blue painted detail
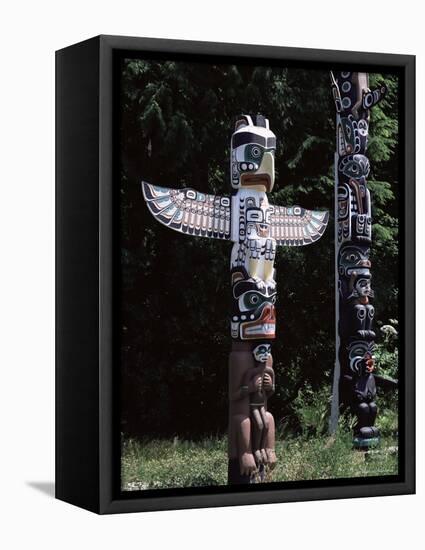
(362, 443)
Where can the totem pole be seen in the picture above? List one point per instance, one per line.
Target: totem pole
(255, 227)
(354, 382)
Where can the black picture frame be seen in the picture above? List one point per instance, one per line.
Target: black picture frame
(87, 433)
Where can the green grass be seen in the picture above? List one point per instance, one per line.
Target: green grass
(159, 464)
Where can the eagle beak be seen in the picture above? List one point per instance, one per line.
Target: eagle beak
(267, 167)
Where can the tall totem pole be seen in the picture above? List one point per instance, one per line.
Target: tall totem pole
(354, 382)
(256, 228)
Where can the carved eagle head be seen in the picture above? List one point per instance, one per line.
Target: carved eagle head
(253, 147)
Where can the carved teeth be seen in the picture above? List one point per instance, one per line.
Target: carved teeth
(265, 328)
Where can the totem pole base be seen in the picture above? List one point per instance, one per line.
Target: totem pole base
(251, 436)
(361, 443)
(366, 438)
(234, 476)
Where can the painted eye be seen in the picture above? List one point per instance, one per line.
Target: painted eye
(251, 301)
(255, 152)
(346, 102)
(350, 257)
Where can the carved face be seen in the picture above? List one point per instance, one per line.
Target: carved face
(362, 287)
(253, 310)
(355, 166)
(257, 220)
(354, 258)
(262, 353)
(360, 356)
(252, 154)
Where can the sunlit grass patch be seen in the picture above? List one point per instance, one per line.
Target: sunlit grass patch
(159, 464)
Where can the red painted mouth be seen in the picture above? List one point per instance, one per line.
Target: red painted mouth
(250, 180)
(262, 328)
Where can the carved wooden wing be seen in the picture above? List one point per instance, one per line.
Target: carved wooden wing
(188, 211)
(296, 226)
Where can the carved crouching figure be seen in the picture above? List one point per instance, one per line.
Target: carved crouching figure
(363, 388)
(251, 426)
